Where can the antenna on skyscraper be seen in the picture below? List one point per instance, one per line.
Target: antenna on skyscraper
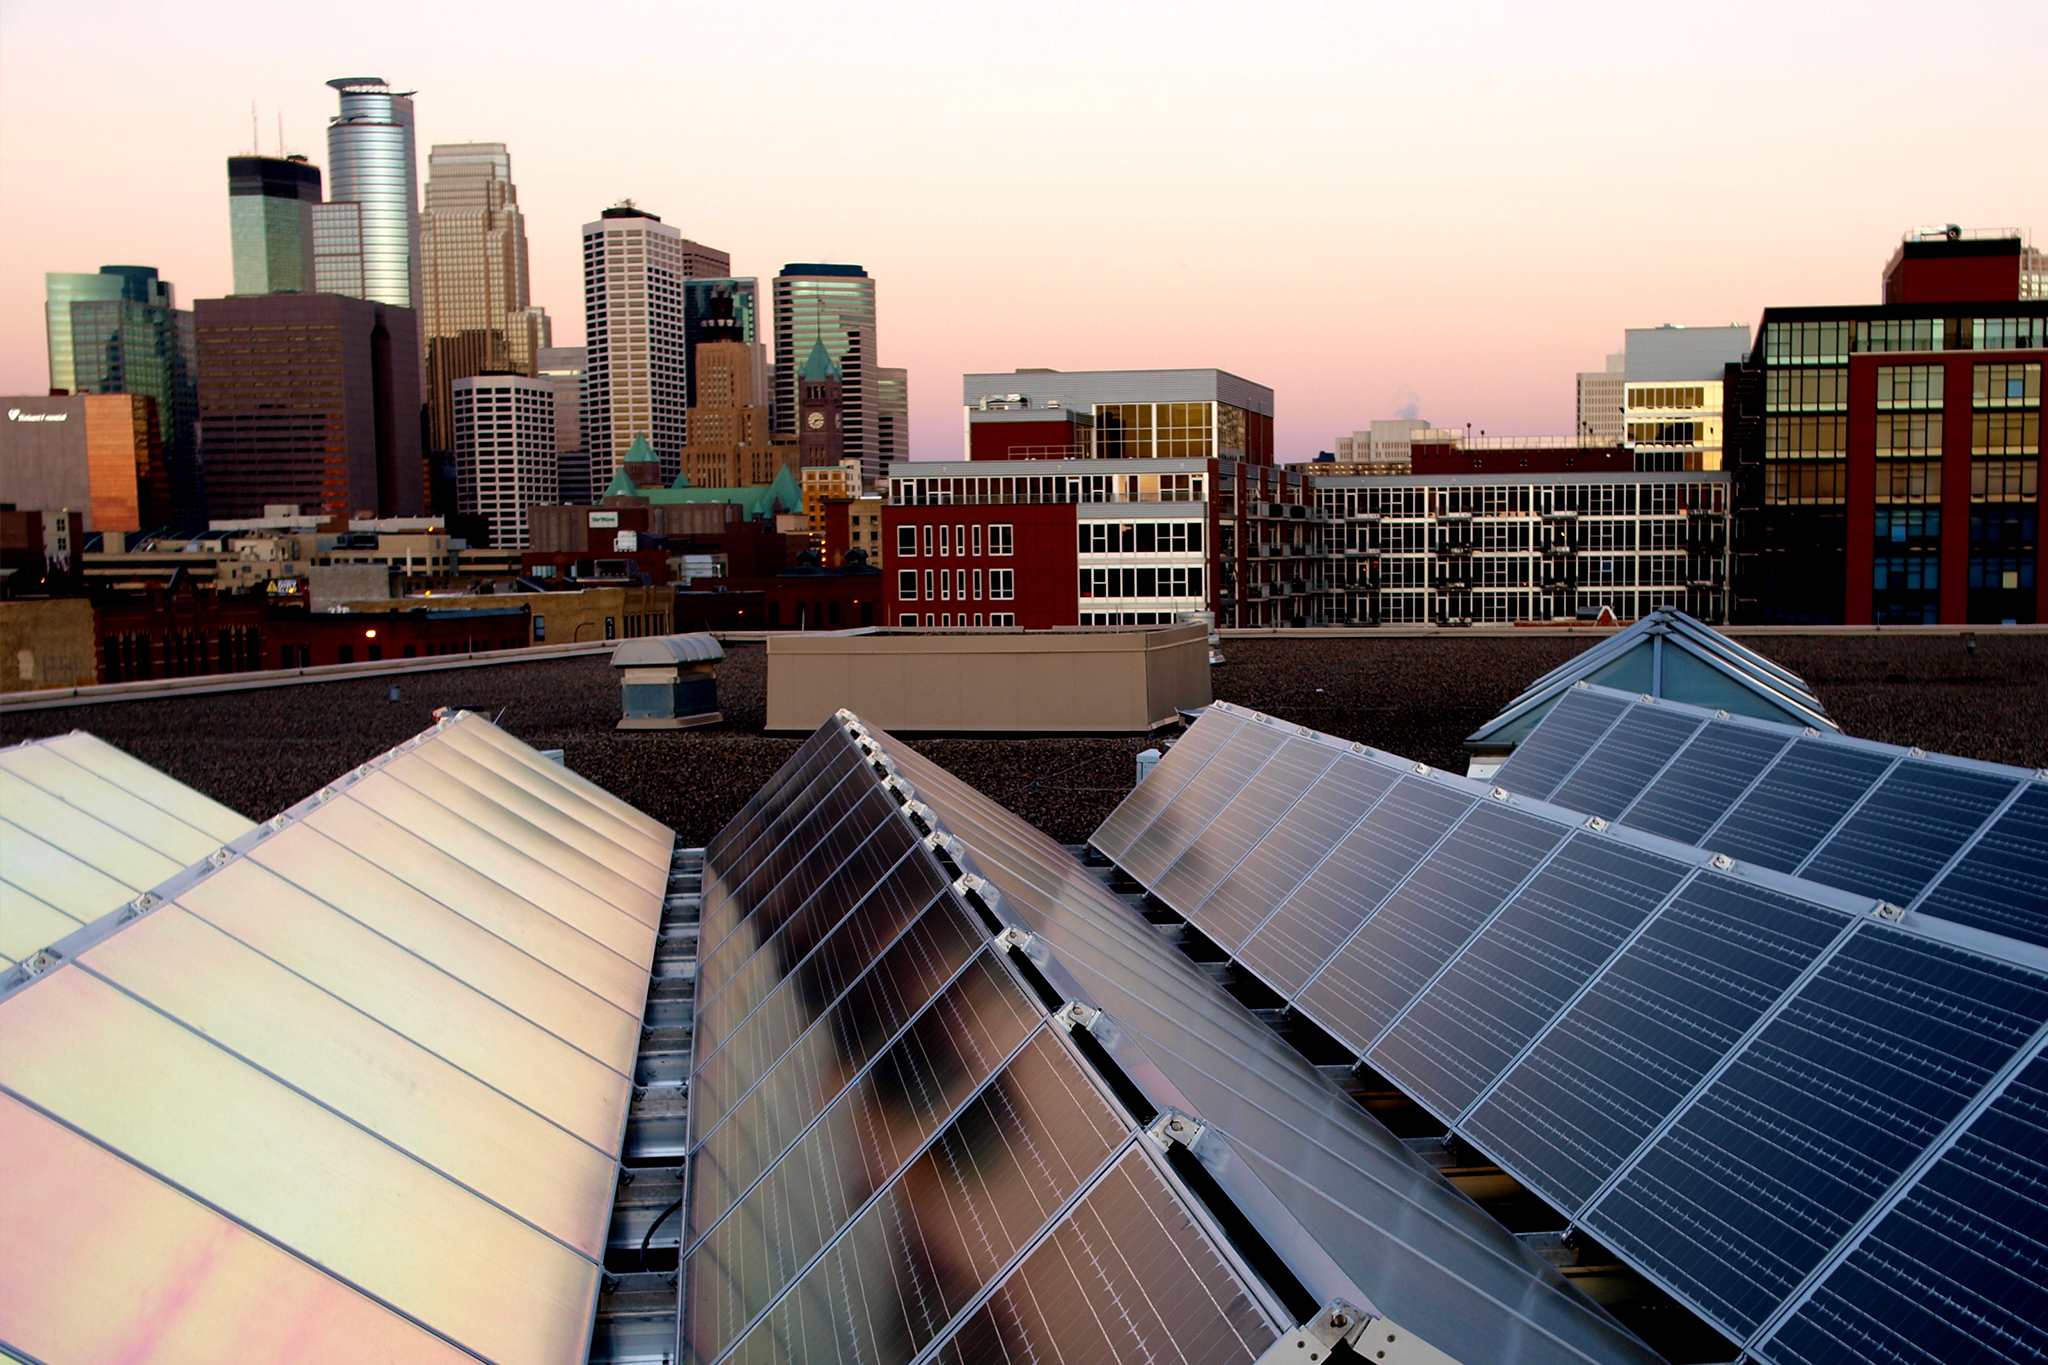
(255, 142)
(280, 132)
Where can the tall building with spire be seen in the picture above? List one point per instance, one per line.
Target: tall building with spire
(830, 307)
(366, 237)
(270, 223)
(475, 314)
(637, 380)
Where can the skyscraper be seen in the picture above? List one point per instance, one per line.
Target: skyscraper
(561, 368)
(637, 382)
(732, 307)
(270, 222)
(1601, 396)
(892, 415)
(832, 306)
(371, 164)
(474, 308)
(504, 451)
(312, 399)
(120, 332)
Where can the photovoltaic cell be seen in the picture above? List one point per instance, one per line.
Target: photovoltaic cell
(1126, 1258)
(867, 1133)
(788, 842)
(1626, 1053)
(1704, 781)
(1957, 1272)
(1907, 829)
(2001, 884)
(1633, 753)
(991, 1181)
(795, 922)
(1573, 726)
(793, 1000)
(1777, 1159)
(1794, 805)
(811, 798)
(811, 1074)
(1191, 812)
(774, 794)
(1177, 767)
(1503, 989)
(1248, 818)
(1307, 929)
(1270, 873)
(1420, 926)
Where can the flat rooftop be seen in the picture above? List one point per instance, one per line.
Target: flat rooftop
(260, 751)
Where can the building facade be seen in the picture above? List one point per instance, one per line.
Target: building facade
(373, 165)
(1673, 393)
(1512, 546)
(1104, 542)
(96, 455)
(1887, 456)
(270, 223)
(121, 332)
(1602, 396)
(476, 313)
(716, 309)
(562, 367)
(892, 415)
(828, 309)
(310, 399)
(637, 381)
(730, 441)
(1117, 415)
(504, 451)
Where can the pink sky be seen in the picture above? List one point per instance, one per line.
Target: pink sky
(1355, 204)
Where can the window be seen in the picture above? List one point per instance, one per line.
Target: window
(1003, 618)
(977, 619)
(945, 541)
(927, 539)
(909, 618)
(540, 629)
(960, 540)
(1908, 386)
(1002, 584)
(977, 538)
(906, 541)
(945, 585)
(977, 585)
(611, 628)
(929, 591)
(2006, 386)
(1002, 538)
(906, 584)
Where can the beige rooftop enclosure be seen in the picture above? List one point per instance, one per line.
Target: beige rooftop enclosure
(1063, 681)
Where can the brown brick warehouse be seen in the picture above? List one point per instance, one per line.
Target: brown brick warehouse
(259, 751)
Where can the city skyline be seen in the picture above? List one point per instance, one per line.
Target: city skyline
(1399, 206)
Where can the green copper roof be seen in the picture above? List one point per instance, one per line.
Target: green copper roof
(818, 364)
(783, 495)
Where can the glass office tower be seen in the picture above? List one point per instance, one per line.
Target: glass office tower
(737, 300)
(832, 306)
(270, 222)
(371, 163)
(119, 332)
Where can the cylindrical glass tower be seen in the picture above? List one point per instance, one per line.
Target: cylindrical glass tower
(371, 163)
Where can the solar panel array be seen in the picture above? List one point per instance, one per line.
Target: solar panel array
(1955, 838)
(351, 1087)
(938, 1074)
(1812, 1118)
(84, 827)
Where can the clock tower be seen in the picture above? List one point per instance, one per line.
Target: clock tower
(821, 437)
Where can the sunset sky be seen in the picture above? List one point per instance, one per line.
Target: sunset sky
(1361, 205)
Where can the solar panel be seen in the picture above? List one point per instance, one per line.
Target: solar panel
(1563, 738)
(1869, 818)
(1176, 768)
(356, 1081)
(1954, 1271)
(1203, 799)
(1721, 1072)
(1247, 820)
(932, 1120)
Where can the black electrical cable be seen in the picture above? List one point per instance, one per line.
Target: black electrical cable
(660, 1218)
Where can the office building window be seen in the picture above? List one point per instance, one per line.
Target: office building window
(1820, 390)
(2005, 480)
(1003, 618)
(909, 618)
(540, 629)
(1909, 386)
(1002, 538)
(2005, 433)
(977, 538)
(929, 591)
(927, 539)
(1002, 584)
(906, 584)
(906, 541)
(977, 585)
(945, 541)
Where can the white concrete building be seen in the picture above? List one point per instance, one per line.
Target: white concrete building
(504, 451)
